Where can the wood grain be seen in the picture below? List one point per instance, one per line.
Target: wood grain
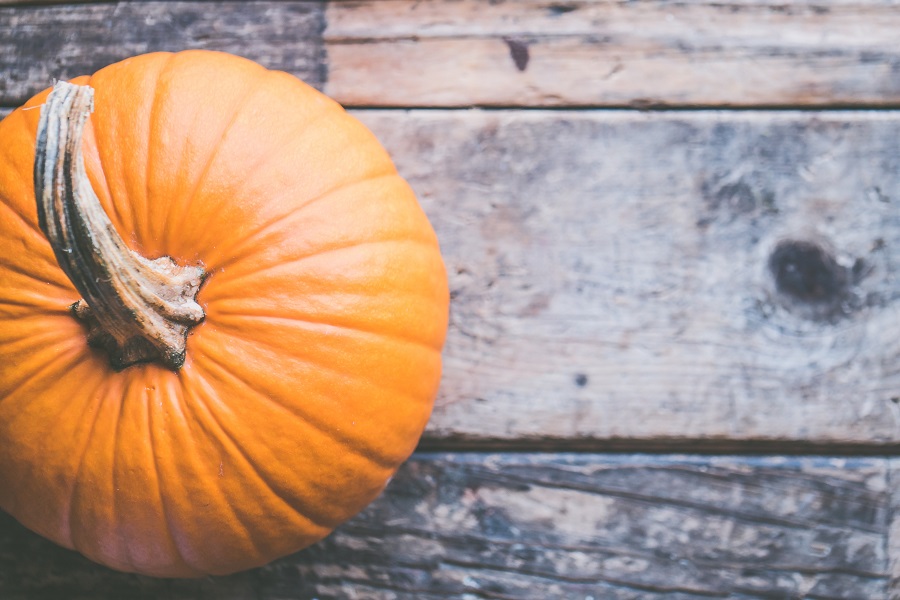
(643, 278)
(39, 44)
(553, 526)
(612, 53)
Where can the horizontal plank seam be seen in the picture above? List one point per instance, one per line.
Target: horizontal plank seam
(699, 447)
(636, 108)
(640, 107)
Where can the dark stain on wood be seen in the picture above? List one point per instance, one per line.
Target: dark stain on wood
(518, 50)
(581, 380)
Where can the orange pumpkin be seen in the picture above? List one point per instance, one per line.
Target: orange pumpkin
(314, 371)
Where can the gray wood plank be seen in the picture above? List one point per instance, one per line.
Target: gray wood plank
(611, 53)
(39, 44)
(544, 526)
(628, 278)
(894, 529)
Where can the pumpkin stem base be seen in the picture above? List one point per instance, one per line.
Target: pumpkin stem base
(138, 310)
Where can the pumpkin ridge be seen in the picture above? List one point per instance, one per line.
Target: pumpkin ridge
(18, 303)
(234, 249)
(30, 226)
(173, 391)
(116, 516)
(306, 361)
(17, 117)
(319, 252)
(188, 199)
(99, 394)
(291, 135)
(191, 399)
(123, 221)
(13, 266)
(66, 513)
(226, 439)
(40, 338)
(116, 215)
(149, 140)
(352, 443)
(38, 301)
(307, 320)
(47, 367)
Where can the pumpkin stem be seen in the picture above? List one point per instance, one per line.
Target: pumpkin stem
(138, 310)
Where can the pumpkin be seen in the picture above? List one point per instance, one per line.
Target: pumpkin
(221, 315)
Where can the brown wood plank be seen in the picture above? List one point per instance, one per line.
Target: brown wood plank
(542, 526)
(468, 52)
(39, 44)
(644, 278)
(612, 53)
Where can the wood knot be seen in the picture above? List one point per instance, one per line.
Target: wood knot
(811, 282)
(806, 272)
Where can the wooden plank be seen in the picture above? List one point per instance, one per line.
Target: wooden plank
(39, 44)
(649, 279)
(894, 529)
(564, 526)
(469, 52)
(611, 53)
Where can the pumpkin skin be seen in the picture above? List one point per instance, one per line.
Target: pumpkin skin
(310, 380)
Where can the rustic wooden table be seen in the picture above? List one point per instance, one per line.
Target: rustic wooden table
(672, 234)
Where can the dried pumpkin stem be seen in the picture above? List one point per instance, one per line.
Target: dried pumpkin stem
(138, 310)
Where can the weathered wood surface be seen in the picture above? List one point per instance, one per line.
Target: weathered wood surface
(894, 531)
(39, 44)
(635, 277)
(609, 52)
(507, 52)
(554, 526)
(664, 280)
